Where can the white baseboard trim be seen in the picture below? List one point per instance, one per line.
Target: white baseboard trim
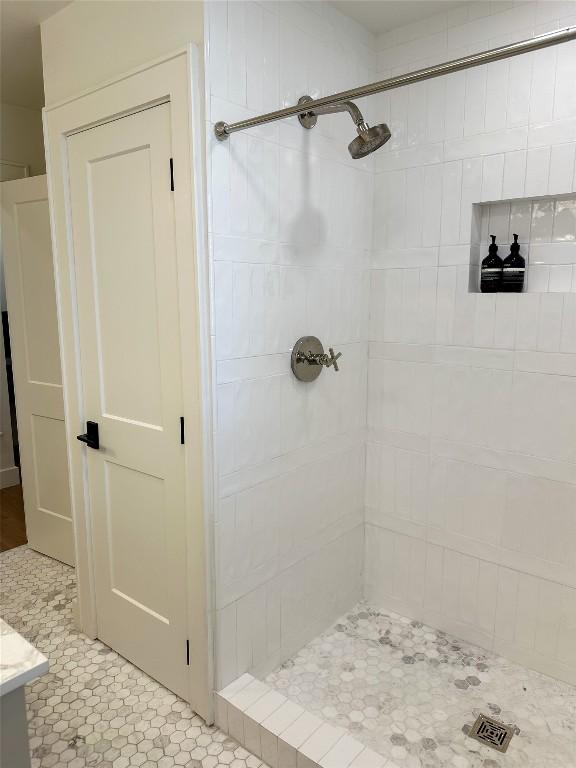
(9, 476)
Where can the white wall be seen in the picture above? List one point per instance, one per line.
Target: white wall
(89, 41)
(290, 232)
(21, 139)
(471, 465)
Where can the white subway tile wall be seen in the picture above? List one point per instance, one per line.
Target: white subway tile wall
(471, 460)
(290, 233)
(466, 401)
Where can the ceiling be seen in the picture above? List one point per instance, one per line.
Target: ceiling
(20, 50)
(382, 15)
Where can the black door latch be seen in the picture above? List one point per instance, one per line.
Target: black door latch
(92, 436)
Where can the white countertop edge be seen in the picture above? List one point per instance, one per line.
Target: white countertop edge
(20, 662)
(24, 677)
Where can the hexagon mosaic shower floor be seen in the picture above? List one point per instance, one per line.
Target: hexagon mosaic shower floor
(402, 688)
(412, 693)
(93, 708)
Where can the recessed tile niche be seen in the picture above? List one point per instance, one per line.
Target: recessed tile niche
(546, 228)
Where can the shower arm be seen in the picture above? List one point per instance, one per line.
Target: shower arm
(341, 106)
(223, 130)
(308, 119)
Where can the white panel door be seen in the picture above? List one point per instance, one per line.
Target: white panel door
(31, 300)
(128, 323)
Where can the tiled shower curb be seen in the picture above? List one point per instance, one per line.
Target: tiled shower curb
(283, 734)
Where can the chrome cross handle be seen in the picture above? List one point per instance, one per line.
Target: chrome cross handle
(332, 359)
(308, 358)
(312, 358)
(320, 358)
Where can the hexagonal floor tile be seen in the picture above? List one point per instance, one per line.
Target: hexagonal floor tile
(93, 709)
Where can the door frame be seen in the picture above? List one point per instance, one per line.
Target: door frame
(176, 78)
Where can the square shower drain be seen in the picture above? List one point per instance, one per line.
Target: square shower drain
(492, 733)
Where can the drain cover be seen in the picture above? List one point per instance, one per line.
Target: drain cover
(492, 733)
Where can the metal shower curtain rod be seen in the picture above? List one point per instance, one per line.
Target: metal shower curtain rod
(223, 130)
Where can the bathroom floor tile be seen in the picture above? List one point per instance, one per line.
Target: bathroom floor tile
(93, 708)
(411, 693)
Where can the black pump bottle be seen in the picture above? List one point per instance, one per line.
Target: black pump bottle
(491, 272)
(514, 269)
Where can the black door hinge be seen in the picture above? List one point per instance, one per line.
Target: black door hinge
(181, 430)
(187, 653)
(171, 175)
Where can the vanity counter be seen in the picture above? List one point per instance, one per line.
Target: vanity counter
(20, 663)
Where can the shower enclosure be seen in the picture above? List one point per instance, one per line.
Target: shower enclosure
(395, 576)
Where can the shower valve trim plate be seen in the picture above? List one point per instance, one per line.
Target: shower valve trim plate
(308, 358)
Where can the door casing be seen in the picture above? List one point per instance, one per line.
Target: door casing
(177, 79)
